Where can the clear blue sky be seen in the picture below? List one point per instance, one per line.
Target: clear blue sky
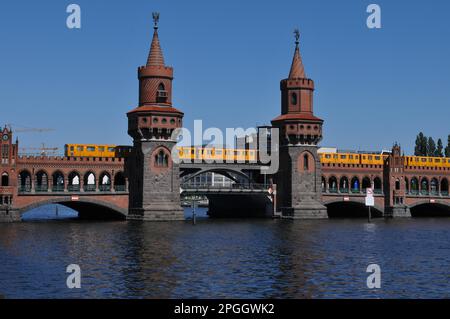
(373, 87)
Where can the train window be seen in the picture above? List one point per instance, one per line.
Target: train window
(335, 156)
(350, 157)
(101, 148)
(423, 159)
(91, 148)
(377, 158)
(80, 148)
(327, 156)
(437, 160)
(72, 148)
(370, 157)
(111, 149)
(343, 156)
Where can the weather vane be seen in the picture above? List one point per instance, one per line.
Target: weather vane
(156, 19)
(297, 36)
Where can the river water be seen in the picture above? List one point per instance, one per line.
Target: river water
(226, 258)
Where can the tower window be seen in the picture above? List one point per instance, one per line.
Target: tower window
(294, 98)
(306, 162)
(161, 94)
(161, 159)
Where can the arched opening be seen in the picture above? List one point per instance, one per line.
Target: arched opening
(430, 210)
(332, 185)
(350, 209)
(89, 182)
(377, 186)
(41, 182)
(366, 183)
(5, 179)
(58, 181)
(324, 185)
(161, 93)
(444, 187)
(414, 186)
(119, 182)
(406, 185)
(104, 182)
(344, 185)
(294, 98)
(69, 210)
(74, 182)
(24, 182)
(434, 186)
(424, 186)
(355, 185)
(306, 162)
(161, 159)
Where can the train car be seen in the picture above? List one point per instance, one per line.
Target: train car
(216, 154)
(427, 161)
(89, 150)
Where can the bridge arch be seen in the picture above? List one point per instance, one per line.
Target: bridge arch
(351, 209)
(222, 171)
(425, 208)
(87, 208)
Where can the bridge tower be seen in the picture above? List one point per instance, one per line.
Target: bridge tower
(394, 184)
(299, 177)
(154, 185)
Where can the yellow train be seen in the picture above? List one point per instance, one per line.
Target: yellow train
(425, 161)
(352, 158)
(89, 150)
(217, 154)
(241, 155)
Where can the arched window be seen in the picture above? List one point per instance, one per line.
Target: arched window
(397, 184)
(434, 186)
(119, 182)
(41, 182)
(161, 159)
(58, 182)
(324, 185)
(305, 162)
(161, 94)
(5, 179)
(89, 182)
(294, 98)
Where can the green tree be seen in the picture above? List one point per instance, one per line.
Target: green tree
(421, 145)
(439, 149)
(447, 149)
(431, 147)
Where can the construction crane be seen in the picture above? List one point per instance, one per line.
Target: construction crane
(43, 151)
(24, 129)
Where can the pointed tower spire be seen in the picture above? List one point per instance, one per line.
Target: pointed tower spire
(297, 69)
(155, 57)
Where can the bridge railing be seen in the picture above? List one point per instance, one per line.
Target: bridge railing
(25, 189)
(235, 186)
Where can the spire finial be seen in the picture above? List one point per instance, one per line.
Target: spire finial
(297, 37)
(155, 19)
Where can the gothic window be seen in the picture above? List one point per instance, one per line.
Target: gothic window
(161, 159)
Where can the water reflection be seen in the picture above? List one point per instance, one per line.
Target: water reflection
(226, 258)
